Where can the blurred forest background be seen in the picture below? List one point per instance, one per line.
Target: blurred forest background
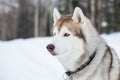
(33, 18)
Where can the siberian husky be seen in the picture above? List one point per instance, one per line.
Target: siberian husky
(80, 49)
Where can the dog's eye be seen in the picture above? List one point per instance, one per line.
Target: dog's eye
(66, 35)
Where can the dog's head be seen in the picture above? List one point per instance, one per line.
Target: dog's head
(67, 32)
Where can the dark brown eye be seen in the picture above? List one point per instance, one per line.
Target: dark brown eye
(66, 35)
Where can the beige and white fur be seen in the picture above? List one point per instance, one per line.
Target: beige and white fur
(72, 50)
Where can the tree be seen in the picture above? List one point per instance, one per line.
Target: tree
(25, 19)
(8, 19)
(36, 23)
(44, 17)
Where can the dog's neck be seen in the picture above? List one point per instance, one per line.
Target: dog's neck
(71, 60)
(74, 62)
(71, 65)
(91, 57)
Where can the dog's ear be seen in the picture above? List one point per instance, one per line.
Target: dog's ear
(78, 16)
(56, 14)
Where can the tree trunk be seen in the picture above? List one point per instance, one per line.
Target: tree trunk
(43, 17)
(93, 11)
(36, 23)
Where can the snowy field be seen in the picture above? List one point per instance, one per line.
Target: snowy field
(28, 59)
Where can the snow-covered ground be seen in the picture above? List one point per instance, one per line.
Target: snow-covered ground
(28, 59)
(113, 41)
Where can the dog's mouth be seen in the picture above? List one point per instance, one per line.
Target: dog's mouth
(56, 54)
(53, 53)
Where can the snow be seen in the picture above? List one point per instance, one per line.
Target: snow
(104, 24)
(28, 59)
(113, 41)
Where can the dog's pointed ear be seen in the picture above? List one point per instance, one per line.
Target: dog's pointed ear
(78, 16)
(56, 14)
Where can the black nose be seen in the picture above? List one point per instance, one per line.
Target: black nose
(50, 47)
